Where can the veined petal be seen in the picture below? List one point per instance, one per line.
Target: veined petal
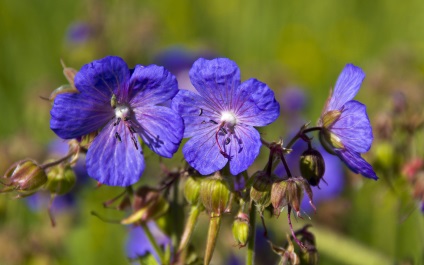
(353, 127)
(74, 115)
(197, 115)
(216, 80)
(256, 105)
(347, 86)
(160, 128)
(202, 153)
(356, 163)
(152, 85)
(243, 148)
(98, 80)
(114, 162)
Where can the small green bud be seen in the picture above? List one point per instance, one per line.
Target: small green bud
(24, 176)
(215, 195)
(312, 166)
(241, 229)
(192, 190)
(330, 141)
(61, 179)
(148, 204)
(385, 156)
(260, 191)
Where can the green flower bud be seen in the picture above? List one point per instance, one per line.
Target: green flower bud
(385, 155)
(215, 195)
(241, 229)
(192, 190)
(61, 179)
(260, 191)
(24, 176)
(148, 204)
(312, 166)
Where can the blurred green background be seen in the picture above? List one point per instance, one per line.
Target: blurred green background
(285, 44)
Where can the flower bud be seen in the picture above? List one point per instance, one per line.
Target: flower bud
(192, 190)
(215, 195)
(148, 204)
(60, 179)
(241, 229)
(260, 191)
(289, 192)
(312, 166)
(25, 176)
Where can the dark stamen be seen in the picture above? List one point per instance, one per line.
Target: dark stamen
(227, 141)
(217, 141)
(134, 141)
(201, 112)
(117, 136)
(214, 122)
(117, 122)
(132, 130)
(223, 130)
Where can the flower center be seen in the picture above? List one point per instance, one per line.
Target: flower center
(229, 119)
(122, 112)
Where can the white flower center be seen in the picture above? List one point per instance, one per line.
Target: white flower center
(229, 118)
(122, 112)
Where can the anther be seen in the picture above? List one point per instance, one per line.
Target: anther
(201, 112)
(134, 141)
(117, 136)
(212, 121)
(132, 130)
(227, 141)
(117, 122)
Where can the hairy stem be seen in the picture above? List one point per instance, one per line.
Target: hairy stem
(214, 225)
(250, 254)
(189, 227)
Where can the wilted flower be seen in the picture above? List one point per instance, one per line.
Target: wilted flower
(122, 104)
(346, 129)
(220, 118)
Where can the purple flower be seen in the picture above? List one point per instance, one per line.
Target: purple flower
(220, 117)
(121, 104)
(79, 32)
(346, 129)
(138, 244)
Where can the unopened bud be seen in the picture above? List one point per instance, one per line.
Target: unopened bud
(312, 166)
(148, 204)
(61, 179)
(192, 190)
(215, 195)
(241, 229)
(25, 176)
(260, 191)
(289, 192)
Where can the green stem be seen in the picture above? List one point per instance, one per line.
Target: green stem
(250, 255)
(189, 227)
(300, 133)
(214, 225)
(153, 242)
